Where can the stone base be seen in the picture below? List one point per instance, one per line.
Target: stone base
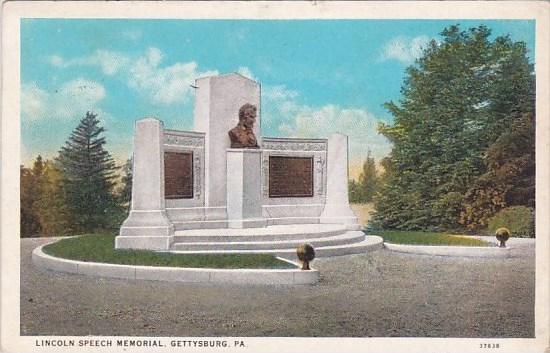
(145, 230)
(340, 214)
(144, 242)
(146, 219)
(247, 223)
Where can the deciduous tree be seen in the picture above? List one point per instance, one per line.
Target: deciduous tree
(459, 98)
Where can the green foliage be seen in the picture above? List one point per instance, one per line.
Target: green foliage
(428, 238)
(75, 193)
(31, 185)
(100, 248)
(462, 102)
(363, 191)
(355, 192)
(126, 191)
(368, 179)
(510, 176)
(88, 178)
(51, 207)
(520, 220)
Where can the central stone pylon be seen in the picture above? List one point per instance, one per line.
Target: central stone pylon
(217, 103)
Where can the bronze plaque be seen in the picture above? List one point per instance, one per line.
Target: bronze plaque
(178, 175)
(290, 176)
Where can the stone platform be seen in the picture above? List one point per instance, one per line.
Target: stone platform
(279, 240)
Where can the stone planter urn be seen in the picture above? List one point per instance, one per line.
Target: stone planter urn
(502, 235)
(305, 253)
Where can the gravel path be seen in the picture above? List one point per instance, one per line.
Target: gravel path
(379, 294)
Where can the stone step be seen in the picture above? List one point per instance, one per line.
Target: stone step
(271, 233)
(340, 239)
(188, 225)
(370, 243)
(182, 224)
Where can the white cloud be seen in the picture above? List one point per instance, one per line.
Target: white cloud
(279, 93)
(109, 62)
(405, 49)
(33, 101)
(282, 110)
(57, 60)
(164, 85)
(133, 35)
(71, 100)
(358, 124)
(245, 71)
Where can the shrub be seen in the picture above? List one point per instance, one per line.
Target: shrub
(520, 220)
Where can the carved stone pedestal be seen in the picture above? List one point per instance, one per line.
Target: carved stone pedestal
(244, 203)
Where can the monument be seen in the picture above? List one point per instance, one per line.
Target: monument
(226, 188)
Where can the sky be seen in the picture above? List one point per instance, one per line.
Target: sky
(317, 76)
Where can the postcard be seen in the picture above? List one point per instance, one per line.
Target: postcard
(275, 176)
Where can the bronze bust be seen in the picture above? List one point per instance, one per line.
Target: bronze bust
(242, 136)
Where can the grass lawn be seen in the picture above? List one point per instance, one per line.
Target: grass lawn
(427, 238)
(101, 248)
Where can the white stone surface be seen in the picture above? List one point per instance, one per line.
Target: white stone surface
(172, 274)
(151, 242)
(298, 230)
(464, 251)
(244, 199)
(43, 260)
(229, 276)
(337, 208)
(147, 216)
(106, 270)
(346, 238)
(148, 168)
(217, 103)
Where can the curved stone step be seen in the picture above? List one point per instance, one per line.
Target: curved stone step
(271, 233)
(370, 243)
(346, 238)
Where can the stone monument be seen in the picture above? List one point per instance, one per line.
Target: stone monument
(225, 187)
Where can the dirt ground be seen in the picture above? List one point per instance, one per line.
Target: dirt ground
(378, 294)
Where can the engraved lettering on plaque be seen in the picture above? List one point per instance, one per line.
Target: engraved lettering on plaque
(178, 175)
(290, 176)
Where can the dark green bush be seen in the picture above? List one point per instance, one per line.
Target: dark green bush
(520, 220)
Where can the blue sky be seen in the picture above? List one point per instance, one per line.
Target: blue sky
(317, 76)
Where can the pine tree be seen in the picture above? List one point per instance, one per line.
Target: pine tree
(368, 179)
(126, 191)
(88, 172)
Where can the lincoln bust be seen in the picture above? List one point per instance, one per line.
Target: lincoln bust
(242, 136)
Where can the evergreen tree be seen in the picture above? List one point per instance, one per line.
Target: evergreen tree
(126, 191)
(88, 172)
(368, 179)
(457, 100)
(354, 192)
